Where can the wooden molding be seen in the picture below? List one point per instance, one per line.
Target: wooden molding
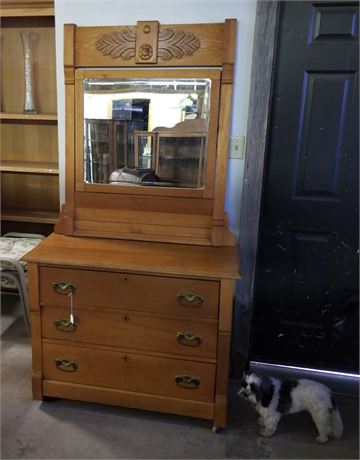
(229, 37)
(65, 225)
(227, 74)
(69, 33)
(10, 8)
(26, 3)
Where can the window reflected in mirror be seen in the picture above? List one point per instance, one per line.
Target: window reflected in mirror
(147, 132)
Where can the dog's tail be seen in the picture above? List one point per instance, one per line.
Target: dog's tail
(336, 421)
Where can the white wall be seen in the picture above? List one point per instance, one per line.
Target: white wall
(128, 12)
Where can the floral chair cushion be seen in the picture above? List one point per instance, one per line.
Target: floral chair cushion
(14, 248)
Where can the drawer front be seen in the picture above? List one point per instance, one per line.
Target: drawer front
(131, 372)
(132, 330)
(183, 297)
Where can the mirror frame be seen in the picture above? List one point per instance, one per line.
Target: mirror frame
(161, 214)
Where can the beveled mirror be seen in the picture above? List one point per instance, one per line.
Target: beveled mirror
(146, 132)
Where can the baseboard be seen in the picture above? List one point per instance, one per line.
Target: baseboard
(342, 383)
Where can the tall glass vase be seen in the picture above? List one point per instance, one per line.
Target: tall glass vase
(27, 40)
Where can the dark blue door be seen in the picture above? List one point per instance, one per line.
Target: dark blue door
(306, 286)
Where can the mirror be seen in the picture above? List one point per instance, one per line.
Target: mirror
(146, 132)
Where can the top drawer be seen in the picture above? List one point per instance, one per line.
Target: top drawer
(178, 296)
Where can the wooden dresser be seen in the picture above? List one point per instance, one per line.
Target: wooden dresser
(152, 323)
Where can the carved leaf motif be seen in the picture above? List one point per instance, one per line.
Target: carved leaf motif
(118, 44)
(177, 44)
(171, 44)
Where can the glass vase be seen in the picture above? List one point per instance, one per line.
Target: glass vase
(27, 38)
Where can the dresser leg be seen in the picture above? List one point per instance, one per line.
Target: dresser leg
(220, 414)
(37, 388)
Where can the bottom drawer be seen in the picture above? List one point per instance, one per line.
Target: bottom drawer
(133, 372)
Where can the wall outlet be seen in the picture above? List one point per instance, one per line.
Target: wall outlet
(237, 148)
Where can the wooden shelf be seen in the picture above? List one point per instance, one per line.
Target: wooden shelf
(29, 116)
(29, 167)
(13, 8)
(25, 215)
(29, 163)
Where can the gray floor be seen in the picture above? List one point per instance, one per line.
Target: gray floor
(69, 429)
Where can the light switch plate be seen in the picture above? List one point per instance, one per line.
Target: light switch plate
(237, 147)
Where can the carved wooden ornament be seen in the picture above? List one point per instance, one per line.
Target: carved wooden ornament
(171, 44)
(147, 33)
(118, 44)
(177, 44)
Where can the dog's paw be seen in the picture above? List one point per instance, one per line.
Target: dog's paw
(322, 439)
(266, 433)
(261, 422)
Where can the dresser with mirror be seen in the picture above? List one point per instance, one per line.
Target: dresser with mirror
(131, 297)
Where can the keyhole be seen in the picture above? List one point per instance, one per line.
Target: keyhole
(125, 358)
(125, 317)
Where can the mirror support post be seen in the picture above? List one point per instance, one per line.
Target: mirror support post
(66, 222)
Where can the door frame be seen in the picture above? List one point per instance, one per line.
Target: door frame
(262, 73)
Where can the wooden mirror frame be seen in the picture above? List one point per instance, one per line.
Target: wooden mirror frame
(194, 216)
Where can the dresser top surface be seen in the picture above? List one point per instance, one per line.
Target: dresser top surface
(137, 256)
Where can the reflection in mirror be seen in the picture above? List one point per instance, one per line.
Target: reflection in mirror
(146, 131)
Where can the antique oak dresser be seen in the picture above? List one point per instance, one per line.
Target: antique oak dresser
(131, 297)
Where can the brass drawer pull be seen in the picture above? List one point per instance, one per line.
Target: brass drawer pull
(189, 299)
(63, 287)
(187, 338)
(64, 325)
(66, 365)
(187, 381)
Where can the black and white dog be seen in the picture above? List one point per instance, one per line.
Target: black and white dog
(273, 397)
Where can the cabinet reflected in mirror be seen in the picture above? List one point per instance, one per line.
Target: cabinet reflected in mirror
(150, 132)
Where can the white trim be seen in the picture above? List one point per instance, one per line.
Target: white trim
(307, 369)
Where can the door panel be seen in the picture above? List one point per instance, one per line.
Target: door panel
(306, 281)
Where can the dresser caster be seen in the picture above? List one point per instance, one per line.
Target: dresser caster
(215, 429)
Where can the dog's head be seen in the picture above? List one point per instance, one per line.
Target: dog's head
(256, 389)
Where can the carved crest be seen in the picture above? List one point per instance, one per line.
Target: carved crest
(118, 44)
(172, 44)
(177, 44)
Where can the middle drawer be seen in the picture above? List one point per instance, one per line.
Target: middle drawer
(132, 330)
